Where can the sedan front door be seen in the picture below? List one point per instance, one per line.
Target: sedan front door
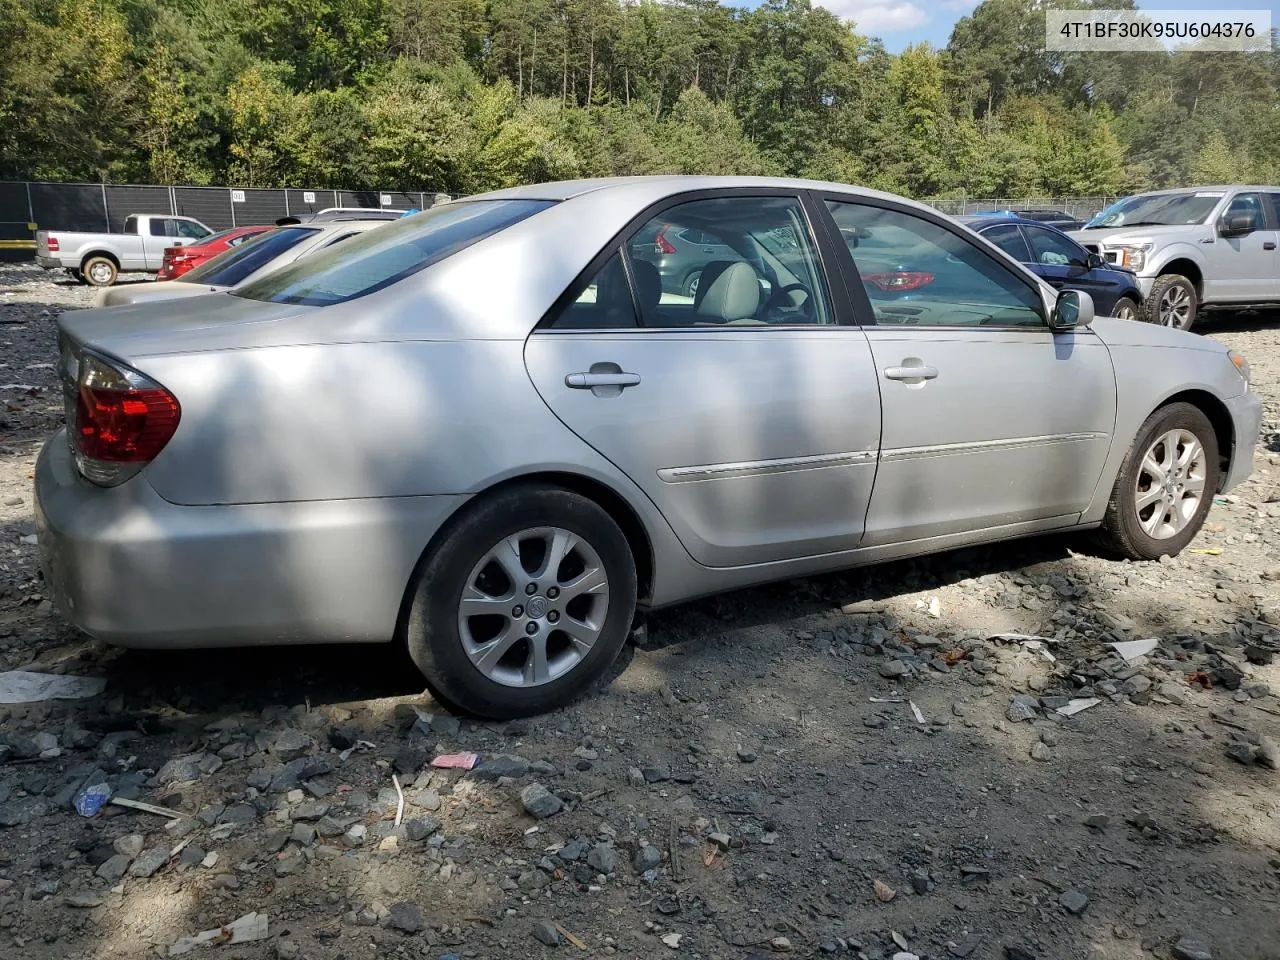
(991, 420)
(752, 421)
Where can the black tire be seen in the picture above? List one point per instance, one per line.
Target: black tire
(99, 271)
(1171, 285)
(1126, 308)
(690, 288)
(431, 629)
(1121, 527)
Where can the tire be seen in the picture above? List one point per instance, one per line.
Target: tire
(99, 271)
(1172, 302)
(442, 641)
(1125, 309)
(690, 288)
(1130, 527)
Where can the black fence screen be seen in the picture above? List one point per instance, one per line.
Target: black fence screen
(27, 207)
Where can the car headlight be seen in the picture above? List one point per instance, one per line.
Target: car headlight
(1133, 255)
(1241, 365)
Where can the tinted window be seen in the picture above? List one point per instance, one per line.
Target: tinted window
(755, 263)
(1247, 205)
(605, 301)
(390, 252)
(185, 228)
(159, 227)
(131, 224)
(1274, 198)
(1052, 249)
(918, 272)
(229, 268)
(1009, 239)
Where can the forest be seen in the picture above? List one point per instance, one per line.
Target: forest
(461, 96)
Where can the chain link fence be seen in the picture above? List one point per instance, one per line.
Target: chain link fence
(1082, 208)
(29, 206)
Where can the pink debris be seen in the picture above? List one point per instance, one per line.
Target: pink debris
(456, 761)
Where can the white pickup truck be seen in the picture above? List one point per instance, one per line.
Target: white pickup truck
(97, 258)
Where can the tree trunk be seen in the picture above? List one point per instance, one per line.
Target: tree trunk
(533, 66)
(564, 75)
(520, 71)
(591, 68)
(626, 84)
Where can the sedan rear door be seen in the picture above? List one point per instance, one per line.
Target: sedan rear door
(751, 419)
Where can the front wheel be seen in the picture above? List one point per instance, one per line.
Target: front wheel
(1165, 486)
(523, 604)
(1125, 309)
(1172, 302)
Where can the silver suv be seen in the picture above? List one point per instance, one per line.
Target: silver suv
(1194, 249)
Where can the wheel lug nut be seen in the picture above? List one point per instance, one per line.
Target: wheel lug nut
(553, 617)
(517, 611)
(553, 592)
(531, 589)
(531, 629)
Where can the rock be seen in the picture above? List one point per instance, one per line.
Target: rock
(572, 851)
(539, 801)
(1022, 707)
(647, 858)
(343, 738)
(964, 948)
(83, 900)
(405, 917)
(114, 868)
(1188, 949)
(672, 940)
(1173, 692)
(1135, 685)
(780, 945)
(180, 769)
(655, 774)
(544, 931)
(409, 760)
(1018, 953)
(920, 881)
(746, 756)
(1041, 751)
(1267, 753)
(291, 863)
(893, 669)
(1240, 752)
(1099, 821)
(603, 859)
(239, 813)
(1074, 901)
(303, 834)
(130, 845)
(421, 827)
(149, 861)
(721, 840)
(292, 744)
(500, 765)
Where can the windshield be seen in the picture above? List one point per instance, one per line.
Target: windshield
(389, 253)
(228, 269)
(1158, 210)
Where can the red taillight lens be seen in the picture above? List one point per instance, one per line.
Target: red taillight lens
(53, 244)
(122, 420)
(898, 281)
(661, 244)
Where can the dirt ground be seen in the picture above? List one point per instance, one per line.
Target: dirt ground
(753, 781)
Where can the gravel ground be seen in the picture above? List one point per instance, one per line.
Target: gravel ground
(754, 780)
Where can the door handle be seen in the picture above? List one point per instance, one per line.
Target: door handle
(910, 373)
(1269, 245)
(588, 381)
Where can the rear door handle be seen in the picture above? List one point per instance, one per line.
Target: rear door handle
(587, 381)
(910, 373)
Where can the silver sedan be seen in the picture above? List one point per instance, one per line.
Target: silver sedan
(487, 432)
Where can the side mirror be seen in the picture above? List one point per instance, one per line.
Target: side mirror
(1073, 309)
(1239, 224)
(1095, 261)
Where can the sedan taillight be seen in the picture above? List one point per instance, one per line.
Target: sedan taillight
(122, 420)
(898, 281)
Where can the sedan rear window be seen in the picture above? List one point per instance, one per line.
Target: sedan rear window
(228, 269)
(389, 253)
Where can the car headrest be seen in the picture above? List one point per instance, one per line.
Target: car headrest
(727, 291)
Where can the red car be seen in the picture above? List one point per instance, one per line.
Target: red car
(178, 260)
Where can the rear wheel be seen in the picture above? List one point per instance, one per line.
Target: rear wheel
(1125, 309)
(1165, 486)
(1172, 302)
(523, 604)
(100, 271)
(691, 284)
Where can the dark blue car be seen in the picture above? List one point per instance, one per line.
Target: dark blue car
(1062, 262)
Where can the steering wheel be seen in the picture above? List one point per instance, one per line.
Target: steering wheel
(776, 301)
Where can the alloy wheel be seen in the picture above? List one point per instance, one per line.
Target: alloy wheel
(1170, 484)
(533, 607)
(1175, 307)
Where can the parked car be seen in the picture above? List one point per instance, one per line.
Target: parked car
(1061, 261)
(180, 260)
(381, 442)
(97, 258)
(1055, 218)
(268, 251)
(342, 213)
(1194, 250)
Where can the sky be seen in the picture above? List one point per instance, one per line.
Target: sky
(902, 22)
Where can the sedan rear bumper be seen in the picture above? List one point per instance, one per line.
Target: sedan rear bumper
(133, 569)
(1246, 421)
